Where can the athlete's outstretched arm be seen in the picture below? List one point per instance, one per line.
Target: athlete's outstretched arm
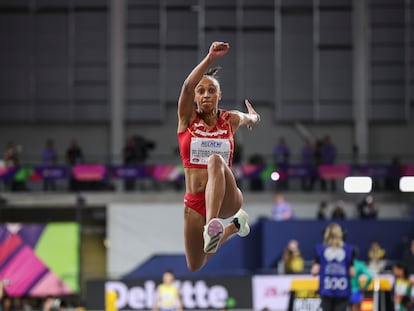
(186, 100)
(240, 118)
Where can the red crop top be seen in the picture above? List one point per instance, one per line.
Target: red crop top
(197, 142)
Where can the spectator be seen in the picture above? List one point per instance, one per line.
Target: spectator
(74, 155)
(402, 285)
(11, 160)
(131, 157)
(7, 304)
(49, 158)
(256, 181)
(408, 257)
(376, 257)
(407, 302)
(281, 158)
(167, 297)
(338, 211)
(334, 261)
(292, 258)
(394, 175)
(367, 208)
(143, 146)
(321, 214)
(328, 157)
(281, 209)
(361, 270)
(355, 155)
(11, 155)
(317, 160)
(281, 153)
(130, 152)
(307, 160)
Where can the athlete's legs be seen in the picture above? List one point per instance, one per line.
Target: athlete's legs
(223, 197)
(194, 242)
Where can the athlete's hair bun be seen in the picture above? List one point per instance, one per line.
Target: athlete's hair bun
(213, 71)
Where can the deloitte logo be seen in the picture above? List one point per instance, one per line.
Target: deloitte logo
(194, 295)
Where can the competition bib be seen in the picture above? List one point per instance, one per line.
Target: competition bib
(202, 148)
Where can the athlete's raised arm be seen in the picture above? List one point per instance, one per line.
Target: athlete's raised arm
(186, 108)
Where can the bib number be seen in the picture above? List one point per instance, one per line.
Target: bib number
(335, 283)
(202, 148)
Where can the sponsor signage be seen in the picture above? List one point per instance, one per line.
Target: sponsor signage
(213, 293)
(273, 291)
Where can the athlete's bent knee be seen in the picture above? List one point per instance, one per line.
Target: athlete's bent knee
(215, 161)
(193, 266)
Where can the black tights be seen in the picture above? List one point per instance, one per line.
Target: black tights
(334, 303)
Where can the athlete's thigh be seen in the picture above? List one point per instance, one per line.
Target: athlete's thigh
(233, 198)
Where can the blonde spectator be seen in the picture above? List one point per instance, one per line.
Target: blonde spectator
(376, 257)
(292, 258)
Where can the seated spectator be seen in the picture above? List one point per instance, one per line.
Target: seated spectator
(11, 159)
(367, 208)
(281, 209)
(131, 157)
(74, 155)
(281, 159)
(321, 214)
(338, 211)
(394, 174)
(408, 257)
(307, 160)
(256, 182)
(376, 257)
(11, 155)
(328, 156)
(402, 285)
(293, 261)
(407, 302)
(49, 157)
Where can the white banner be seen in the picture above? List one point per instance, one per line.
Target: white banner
(273, 291)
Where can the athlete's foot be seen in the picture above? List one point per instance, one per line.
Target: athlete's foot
(213, 232)
(240, 221)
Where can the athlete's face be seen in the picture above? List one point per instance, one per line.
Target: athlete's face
(207, 94)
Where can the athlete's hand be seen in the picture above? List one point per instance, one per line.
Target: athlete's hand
(218, 49)
(255, 116)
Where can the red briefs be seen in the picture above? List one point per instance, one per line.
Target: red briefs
(197, 202)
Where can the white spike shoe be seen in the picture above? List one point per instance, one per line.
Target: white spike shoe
(213, 231)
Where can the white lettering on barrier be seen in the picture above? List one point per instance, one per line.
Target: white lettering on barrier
(307, 304)
(194, 296)
(135, 297)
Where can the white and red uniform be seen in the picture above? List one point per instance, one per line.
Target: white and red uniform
(197, 142)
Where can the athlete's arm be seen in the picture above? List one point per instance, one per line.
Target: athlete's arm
(186, 109)
(239, 118)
